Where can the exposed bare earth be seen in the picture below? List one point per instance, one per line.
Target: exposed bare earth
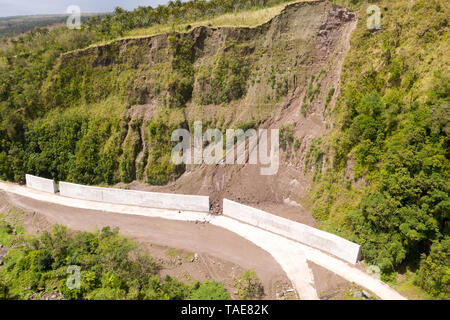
(325, 30)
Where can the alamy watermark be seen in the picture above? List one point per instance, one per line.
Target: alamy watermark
(374, 271)
(374, 19)
(74, 278)
(74, 19)
(208, 147)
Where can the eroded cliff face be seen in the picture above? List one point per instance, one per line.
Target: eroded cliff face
(282, 74)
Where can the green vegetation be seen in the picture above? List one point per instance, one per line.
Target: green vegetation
(174, 14)
(112, 267)
(392, 130)
(329, 96)
(434, 271)
(314, 158)
(256, 14)
(313, 90)
(8, 232)
(355, 292)
(71, 146)
(311, 93)
(297, 144)
(286, 135)
(226, 81)
(248, 286)
(173, 254)
(160, 168)
(247, 125)
(181, 80)
(209, 290)
(74, 115)
(305, 109)
(64, 111)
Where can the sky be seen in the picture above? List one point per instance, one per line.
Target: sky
(31, 7)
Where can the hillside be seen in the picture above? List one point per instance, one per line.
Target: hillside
(388, 184)
(363, 115)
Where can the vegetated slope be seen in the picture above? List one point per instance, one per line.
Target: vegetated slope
(26, 61)
(112, 108)
(388, 188)
(292, 87)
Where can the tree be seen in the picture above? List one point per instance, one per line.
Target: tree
(4, 291)
(249, 286)
(209, 290)
(433, 274)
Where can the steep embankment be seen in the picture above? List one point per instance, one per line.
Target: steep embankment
(115, 105)
(302, 116)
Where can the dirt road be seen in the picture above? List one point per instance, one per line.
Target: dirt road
(217, 235)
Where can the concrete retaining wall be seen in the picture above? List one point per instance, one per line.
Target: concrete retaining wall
(137, 198)
(42, 184)
(313, 237)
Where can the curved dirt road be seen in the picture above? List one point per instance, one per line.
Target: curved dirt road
(189, 236)
(233, 246)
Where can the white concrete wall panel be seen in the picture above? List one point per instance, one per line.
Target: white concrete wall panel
(137, 198)
(42, 184)
(313, 237)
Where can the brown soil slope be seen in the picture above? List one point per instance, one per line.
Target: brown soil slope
(307, 41)
(280, 74)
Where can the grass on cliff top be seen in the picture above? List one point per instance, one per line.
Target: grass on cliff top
(250, 18)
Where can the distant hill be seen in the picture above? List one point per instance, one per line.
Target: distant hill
(15, 25)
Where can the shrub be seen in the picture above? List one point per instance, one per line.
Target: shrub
(209, 290)
(227, 80)
(249, 286)
(330, 96)
(286, 135)
(433, 274)
(112, 268)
